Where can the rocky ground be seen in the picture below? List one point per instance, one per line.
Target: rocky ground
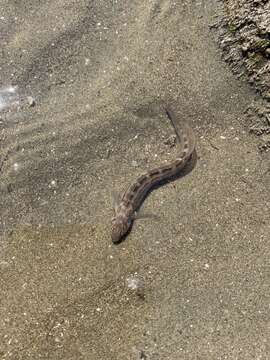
(244, 37)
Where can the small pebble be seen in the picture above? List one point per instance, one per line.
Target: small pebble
(171, 141)
(135, 284)
(31, 101)
(142, 355)
(53, 183)
(15, 166)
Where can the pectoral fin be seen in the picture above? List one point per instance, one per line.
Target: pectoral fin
(142, 215)
(115, 199)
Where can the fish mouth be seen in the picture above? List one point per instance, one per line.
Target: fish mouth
(116, 238)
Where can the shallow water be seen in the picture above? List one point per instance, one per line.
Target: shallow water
(192, 284)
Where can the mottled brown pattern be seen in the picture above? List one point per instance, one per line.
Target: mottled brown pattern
(132, 198)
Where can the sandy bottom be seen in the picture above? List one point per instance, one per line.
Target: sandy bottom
(81, 88)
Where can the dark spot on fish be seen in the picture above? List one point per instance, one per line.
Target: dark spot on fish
(185, 151)
(142, 179)
(130, 195)
(167, 169)
(135, 187)
(154, 172)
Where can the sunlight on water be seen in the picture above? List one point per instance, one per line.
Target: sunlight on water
(8, 97)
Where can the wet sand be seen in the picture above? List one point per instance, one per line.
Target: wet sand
(193, 284)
